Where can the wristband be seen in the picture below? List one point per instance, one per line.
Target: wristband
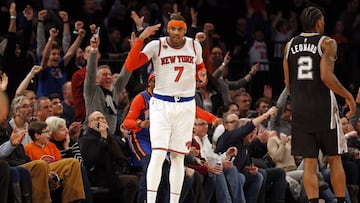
(251, 74)
(66, 21)
(40, 20)
(12, 17)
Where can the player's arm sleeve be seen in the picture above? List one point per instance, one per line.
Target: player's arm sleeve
(207, 116)
(135, 58)
(200, 66)
(136, 107)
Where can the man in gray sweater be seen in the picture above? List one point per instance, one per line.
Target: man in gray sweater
(100, 93)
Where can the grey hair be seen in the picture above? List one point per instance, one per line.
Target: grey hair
(15, 104)
(102, 67)
(55, 123)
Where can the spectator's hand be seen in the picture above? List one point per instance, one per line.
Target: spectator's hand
(64, 16)
(17, 136)
(75, 129)
(66, 142)
(216, 169)
(351, 134)
(272, 111)
(189, 172)
(124, 131)
(194, 18)
(35, 70)
(227, 164)
(4, 82)
(42, 14)
(78, 25)
(132, 39)
(12, 9)
(92, 28)
(137, 20)
(103, 126)
(82, 32)
(263, 135)
(28, 12)
(149, 30)
(254, 68)
(200, 36)
(356, 154)
(231, 151)
(53, 32)
(251, 169)
(195, 152)
(358, 96)
(175, 10)
(227, 58)
(267, 91)
(283, 137)
(95, 41)
(54, 181)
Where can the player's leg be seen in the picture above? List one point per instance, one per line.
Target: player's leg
(310, 178)
(160, 131)
(177, 172)
(154, 172)
(337, 176)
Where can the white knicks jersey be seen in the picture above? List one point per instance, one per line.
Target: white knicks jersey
(174, 68)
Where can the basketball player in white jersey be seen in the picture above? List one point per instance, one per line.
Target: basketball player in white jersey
(177, 63)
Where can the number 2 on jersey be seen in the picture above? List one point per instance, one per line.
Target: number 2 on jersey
(180, 69)
(305, 67)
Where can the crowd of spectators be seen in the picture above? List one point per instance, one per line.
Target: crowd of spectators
(64, 96)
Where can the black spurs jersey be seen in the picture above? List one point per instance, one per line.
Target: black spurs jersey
(310, 98)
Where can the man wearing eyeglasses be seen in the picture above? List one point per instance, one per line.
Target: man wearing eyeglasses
(21, 111)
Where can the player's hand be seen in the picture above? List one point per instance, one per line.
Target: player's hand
(352, 107)
(149, 30)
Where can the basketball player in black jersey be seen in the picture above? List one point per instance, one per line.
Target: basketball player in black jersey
(308, 70)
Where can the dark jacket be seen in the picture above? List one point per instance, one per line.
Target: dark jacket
(103, 158)
(234, 138)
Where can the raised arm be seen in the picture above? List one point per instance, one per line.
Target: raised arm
(47, 49)
(66, 38)
(327, 75)
(72, 50)
(286, 69)
(4, 100)
(40, 33)
(135, 58)
(25, 83)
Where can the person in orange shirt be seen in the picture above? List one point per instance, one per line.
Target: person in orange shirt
(67, 170)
